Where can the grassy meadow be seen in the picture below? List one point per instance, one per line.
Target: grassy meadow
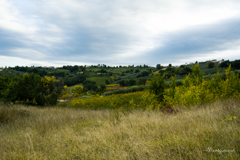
(99, 80)
(74, 133)
(198, 119)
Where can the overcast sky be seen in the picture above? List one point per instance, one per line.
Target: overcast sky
(117, 32)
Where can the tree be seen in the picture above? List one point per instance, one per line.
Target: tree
(157, 86)
(107, 81)
(103, 87)
(225, 64)
(131, 82)
(112, 79)
(137, 70)
(4, 82)
(158, 66)
(89, 85)
(33, 89)
(145, 73)
(196, 76)
(172, 87)
(78, 90)
(211, 65)
(122, 83)
(170, 65)
(141, 81)
(236, 64)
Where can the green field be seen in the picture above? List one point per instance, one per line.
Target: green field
(99, 80)
(112, 85)
(63, 70)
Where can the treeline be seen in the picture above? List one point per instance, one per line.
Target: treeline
(70, 80)
(172, 71)
(66, 78)
(30, 89)
(74, 68)
(133, 82)
(235, 64)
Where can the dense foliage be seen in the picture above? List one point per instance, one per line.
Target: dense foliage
(157, 86)
(72, 80)
(196, 90)
(31, 89)
(184, 85)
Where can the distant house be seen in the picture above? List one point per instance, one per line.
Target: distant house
(214, 60)
(221, 61)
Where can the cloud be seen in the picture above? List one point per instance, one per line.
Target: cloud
(201, 41)
(116, 32)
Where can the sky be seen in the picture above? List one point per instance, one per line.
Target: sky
(118, 32)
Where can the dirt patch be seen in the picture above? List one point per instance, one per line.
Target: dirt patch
(169, 109)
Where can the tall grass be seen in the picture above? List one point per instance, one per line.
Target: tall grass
(68, 133)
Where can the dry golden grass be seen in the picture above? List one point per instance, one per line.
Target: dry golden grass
(66, 133)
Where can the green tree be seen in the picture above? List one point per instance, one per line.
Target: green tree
(211, 65)
(172, 87)
(141, 81)
(158, 66)
(196, 76)
(157, 86)
(32, 89)
(4, 82)
(78, 90)
(122, 83)
(107, 81)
